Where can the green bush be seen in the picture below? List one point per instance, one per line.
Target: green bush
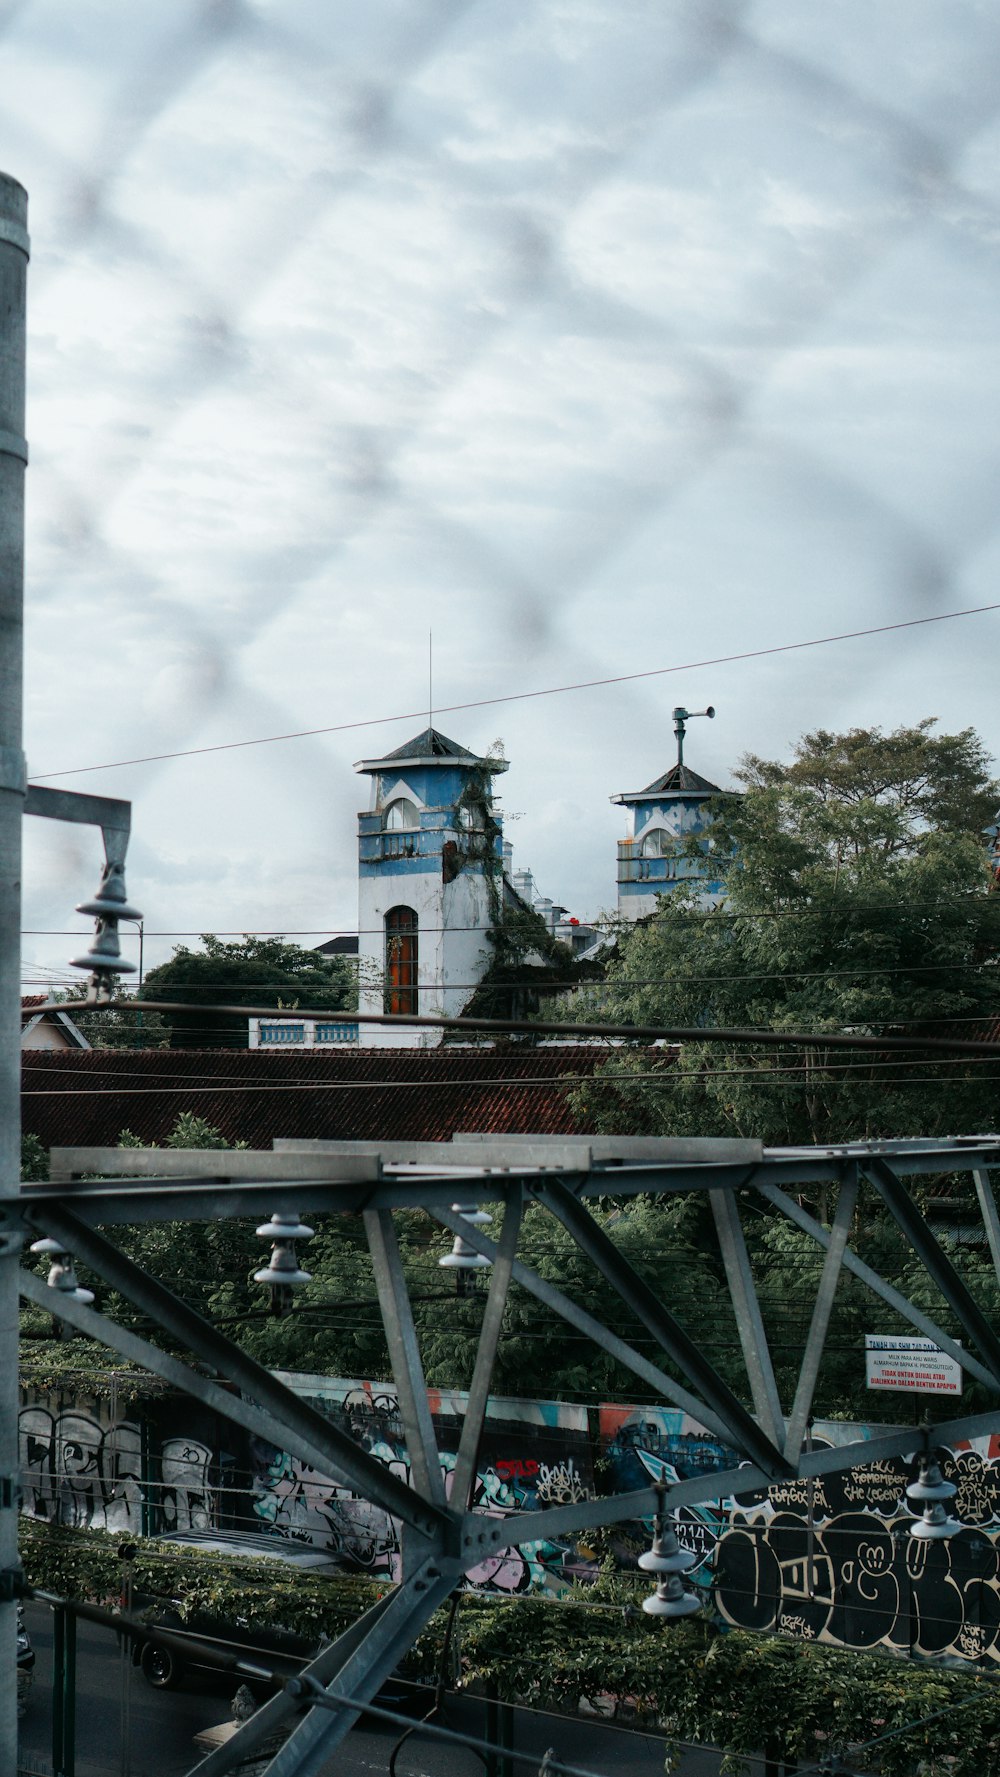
(743, 1692)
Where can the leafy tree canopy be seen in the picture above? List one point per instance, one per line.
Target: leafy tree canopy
(253, 971)
(857, 900)
(851, 792)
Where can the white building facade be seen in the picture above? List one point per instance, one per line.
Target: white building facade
(430, 884)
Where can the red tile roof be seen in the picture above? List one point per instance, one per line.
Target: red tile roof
(87, 1098)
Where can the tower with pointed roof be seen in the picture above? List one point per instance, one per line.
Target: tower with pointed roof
(430, 879)
(657, 856)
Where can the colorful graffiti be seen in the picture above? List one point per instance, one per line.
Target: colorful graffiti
(830, 1560)
(531, 1453)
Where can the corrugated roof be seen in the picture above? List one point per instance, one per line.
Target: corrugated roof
(87, 1098)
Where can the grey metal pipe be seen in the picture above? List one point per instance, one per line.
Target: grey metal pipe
(13, 457)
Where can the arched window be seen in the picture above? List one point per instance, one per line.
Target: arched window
(657, 844)
(401, 961)
(401, 815)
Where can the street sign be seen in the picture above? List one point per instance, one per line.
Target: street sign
(915, 1365)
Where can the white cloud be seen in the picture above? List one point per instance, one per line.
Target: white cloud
(588, 339)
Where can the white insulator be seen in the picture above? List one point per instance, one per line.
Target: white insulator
(62, 1277)
(283, 1268)
(464, 1258)
(285, 1225)
(672, 1600)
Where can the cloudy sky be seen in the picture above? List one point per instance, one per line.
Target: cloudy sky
(594, 336)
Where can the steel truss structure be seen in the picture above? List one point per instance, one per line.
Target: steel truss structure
(93, 1190)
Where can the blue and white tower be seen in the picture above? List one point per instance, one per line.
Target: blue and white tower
(663, 819)
(430, 869)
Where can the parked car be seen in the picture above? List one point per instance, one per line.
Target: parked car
(25, 1651)
(281, 1650)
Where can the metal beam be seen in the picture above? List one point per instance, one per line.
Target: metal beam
(822, 1310)
(404, 1355)
(110, 813)
(991, 1220)
(13, 457)
(736, 1037)
(291, 1417)
(489, 1339)
(359, 1661)
(577, 1153)
(214, 1166)
(892, 1297)
(938, 1266)
(278, 1709)
(366, 1668)
(749, 1321)
(742, 1430)
(483, 1536)
(594, 1329)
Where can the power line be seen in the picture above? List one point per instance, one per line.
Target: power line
(847, 904)
(634, 1033)
(538, 979)
(518, 696)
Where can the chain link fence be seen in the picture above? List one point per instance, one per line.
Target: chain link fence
(581, 335)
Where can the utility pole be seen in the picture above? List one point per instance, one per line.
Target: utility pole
(13, 457)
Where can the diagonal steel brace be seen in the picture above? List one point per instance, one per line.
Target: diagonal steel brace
(404, 1355)
(602, 1336)
(939, 1267)
(290, 1414)
(742, 1430)
(800, 1218)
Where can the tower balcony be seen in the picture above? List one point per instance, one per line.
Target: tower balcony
(633, 866)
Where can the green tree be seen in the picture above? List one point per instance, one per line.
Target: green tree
(900, 785)
(856, 901)
(252, 972)
(122, 1026)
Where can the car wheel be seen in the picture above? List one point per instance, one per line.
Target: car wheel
(160, 1667)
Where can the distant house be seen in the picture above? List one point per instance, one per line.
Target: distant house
(50, 1029)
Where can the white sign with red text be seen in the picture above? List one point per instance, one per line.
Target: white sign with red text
(912, 1364)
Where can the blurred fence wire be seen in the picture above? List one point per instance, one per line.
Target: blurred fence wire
(327, 295)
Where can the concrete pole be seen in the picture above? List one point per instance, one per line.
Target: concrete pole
(13, 457)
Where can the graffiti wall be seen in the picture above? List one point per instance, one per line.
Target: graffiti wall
(80, 1465)
(531, 1453)
(84, 1464)
(176, 1467)
(831, 1560)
